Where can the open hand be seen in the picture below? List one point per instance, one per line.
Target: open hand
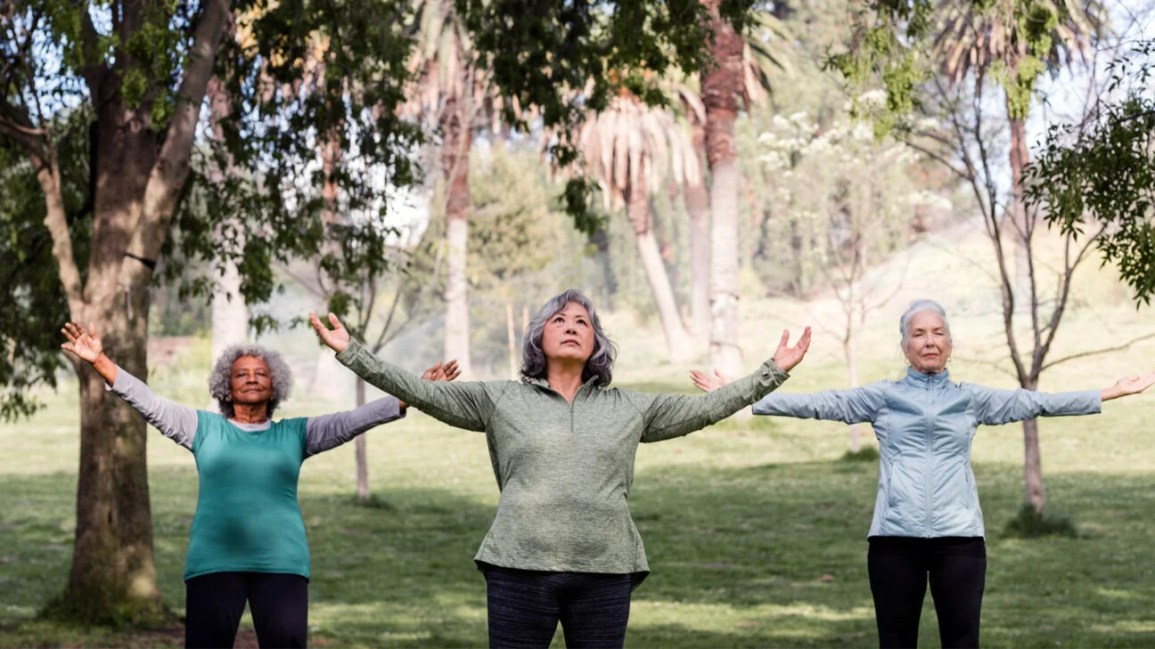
(336, 338)
(708, 382)
(786, 357)
(446, 371)
(84, 343)
(1129, 385)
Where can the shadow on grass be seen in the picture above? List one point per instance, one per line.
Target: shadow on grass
(769, 555)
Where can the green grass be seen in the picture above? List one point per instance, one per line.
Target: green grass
(755, 529)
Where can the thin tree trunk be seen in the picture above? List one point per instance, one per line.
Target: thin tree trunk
(361, 451)
(230, 313)
(513, 362)
(638, 208)
(698, 206)
(721, 86)
(455, 166)
(850, 349)
(1035, 493)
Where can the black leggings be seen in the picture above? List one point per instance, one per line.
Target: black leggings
(214, 603)
(525, 607)
(899, 567)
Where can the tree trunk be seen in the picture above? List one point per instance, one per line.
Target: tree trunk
(850, 349)
(361, 451)
(698, 206)
(1036, 495)
(721, 86)
(455, 167)
(638, 209)
(138, 177)
(1023, 229)
(230, 313)
(514, 366)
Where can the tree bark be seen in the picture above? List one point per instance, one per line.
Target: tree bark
(113, 576)
(361, 451)
(638, 210)
(721, 86)
(1036, 494)
(455, 168)
(698, 206)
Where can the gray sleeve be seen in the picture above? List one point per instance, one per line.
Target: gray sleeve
(326, 432)
(851, 406)
(464, 404)
(672, 415)
(174, 421)
(994, 407)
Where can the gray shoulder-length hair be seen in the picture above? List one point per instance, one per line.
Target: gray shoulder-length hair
(601, 361)
(918, 306)
(220, 379)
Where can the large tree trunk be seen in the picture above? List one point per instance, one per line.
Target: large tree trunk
(455, 168)
(113, 574)
(638, 209)
(721, 86)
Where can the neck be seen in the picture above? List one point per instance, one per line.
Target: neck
(565, 379)
(250, 413)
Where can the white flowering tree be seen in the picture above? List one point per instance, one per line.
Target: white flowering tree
(847, 199)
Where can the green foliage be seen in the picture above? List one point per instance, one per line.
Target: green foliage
(1101, 171)
(30, 290)
(1030, 523)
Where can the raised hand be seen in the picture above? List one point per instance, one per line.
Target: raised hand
(82, 342)
(707, 382)
(446, 371)
(336, 338)
(786, 357)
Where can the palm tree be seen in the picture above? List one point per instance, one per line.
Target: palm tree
(628, 148)
(737, 76)
(450, 93)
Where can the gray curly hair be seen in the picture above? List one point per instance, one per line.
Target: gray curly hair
(919, 306)
(220, 379)
(600, 362)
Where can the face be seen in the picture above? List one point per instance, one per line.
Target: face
(928, 345)
(251, 382)
(568, 335)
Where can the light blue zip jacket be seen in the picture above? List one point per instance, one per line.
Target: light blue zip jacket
(925, 424)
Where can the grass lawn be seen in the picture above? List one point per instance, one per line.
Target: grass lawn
(755, 529)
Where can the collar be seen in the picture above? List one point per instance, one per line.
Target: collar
(542, 383)
(922, 379)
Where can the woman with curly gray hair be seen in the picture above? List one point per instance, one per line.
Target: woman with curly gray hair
(247, 541)
(563, 547)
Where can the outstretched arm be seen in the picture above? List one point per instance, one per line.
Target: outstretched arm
(668, 415)
(174, 421)
(465, 405)
(86, 345)
(1128, 385)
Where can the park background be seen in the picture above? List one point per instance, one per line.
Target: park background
(835, 210)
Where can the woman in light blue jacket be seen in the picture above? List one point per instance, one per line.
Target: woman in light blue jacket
(927, 521)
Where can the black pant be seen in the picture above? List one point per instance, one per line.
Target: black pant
(214, 603)
(899, 567)
(526, 605)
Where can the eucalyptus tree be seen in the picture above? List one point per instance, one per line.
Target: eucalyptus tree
(129, 80)
(629, 148)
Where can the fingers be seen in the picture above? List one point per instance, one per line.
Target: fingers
(334, 321)
(785, 340)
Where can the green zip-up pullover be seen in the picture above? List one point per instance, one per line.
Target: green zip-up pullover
(564, 470)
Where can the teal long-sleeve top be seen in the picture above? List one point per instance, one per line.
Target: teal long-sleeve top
(564, 469)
